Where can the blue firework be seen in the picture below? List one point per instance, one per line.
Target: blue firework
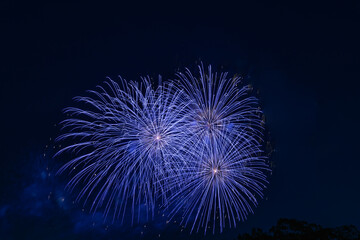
(224, 171)
(219, 185)
(220, 108)
(125, 139)
(193, 145)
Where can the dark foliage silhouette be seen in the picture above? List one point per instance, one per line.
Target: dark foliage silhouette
(291, 229)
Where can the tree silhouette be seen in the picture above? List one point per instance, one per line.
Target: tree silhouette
(291, 229)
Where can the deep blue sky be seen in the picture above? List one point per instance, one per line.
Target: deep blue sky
(302, 57)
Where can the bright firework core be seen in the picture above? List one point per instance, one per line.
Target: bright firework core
(210, 123)
(158, 141)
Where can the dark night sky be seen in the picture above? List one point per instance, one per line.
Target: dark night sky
(302, 57)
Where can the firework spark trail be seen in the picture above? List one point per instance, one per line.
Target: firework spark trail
(125, 137)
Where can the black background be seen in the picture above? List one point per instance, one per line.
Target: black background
(302, 57)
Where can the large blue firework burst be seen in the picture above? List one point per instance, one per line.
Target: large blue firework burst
(125, 138)
(192, 145)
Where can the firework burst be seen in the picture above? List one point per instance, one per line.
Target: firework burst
(193, 146)
(225, 165)
(220, 109)
(125, 137)
(219, 185)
